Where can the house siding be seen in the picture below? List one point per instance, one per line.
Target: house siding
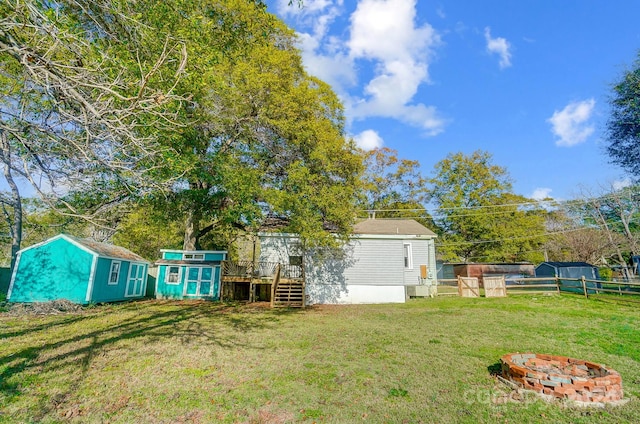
(366, 270)
(55, 270)
(105, 292)
(177, 291)
(102, 290)
(168, 291)
(378, 262)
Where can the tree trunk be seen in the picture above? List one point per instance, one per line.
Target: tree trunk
(192, 231)
(15, 201)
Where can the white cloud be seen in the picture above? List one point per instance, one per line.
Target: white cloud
(368, 140)
(384, 44)
(541, 193)
(570, 124)
(499, 46)
(335, 68)
(325, 56)
(620, 184)
(383, 32)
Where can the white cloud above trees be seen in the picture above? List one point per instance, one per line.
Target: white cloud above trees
(571, 125)
(368, 140)
(541, 193)
(382, 38)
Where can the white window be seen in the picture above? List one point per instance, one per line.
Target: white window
(193, 256)
(408, 257)
(173, 275)
(114, 272)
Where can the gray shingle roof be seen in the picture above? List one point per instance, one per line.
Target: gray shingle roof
(109, 250)
(568, 264)
(392, 227)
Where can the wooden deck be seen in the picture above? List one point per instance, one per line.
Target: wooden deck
(282, 285)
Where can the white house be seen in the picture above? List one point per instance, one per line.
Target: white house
(383, 258)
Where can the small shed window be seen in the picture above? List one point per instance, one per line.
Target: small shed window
(114, 273)
(408, 257)
(173, 275)
(193, 256)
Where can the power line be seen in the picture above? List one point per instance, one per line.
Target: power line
(540, 203)
(600, 226)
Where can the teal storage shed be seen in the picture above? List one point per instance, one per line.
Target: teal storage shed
(184, 274)
(79, 270)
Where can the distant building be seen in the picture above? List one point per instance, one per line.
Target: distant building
(510, 270)
(568, 270)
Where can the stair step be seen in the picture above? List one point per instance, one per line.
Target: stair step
(289, 293)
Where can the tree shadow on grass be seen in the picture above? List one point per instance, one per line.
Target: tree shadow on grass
(495, 369)
(71, 343)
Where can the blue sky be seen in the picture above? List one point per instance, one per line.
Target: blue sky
(527, 80)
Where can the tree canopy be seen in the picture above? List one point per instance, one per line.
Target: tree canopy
(623, 126)
(264, 139)
(393, 187)
(479, 218)
(77, 104)
(200, 109)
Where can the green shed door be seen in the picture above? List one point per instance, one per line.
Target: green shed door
(200, 282)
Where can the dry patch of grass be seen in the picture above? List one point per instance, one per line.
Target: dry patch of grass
(197, 362)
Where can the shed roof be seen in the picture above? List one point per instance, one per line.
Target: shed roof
(392, 227)
(181, 262)
(568, 264)
(105, 249)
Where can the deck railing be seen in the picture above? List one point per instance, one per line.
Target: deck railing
(249, 269)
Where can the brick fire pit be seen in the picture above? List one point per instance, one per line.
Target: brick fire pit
(562, 377)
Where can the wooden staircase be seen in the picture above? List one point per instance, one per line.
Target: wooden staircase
(287, 292)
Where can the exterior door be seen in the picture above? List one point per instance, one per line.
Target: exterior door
(135, 280)
(200, 282)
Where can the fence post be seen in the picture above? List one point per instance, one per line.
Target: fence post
(584, 287)
(558, 284)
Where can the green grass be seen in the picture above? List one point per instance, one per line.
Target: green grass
(424, 361)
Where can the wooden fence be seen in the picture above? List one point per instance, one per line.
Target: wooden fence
(582, 286)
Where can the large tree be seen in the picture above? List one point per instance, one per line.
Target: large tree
(615, 213)
(77, 104)
(89, 107)
(623, 127)
(264, 138)
(393, 187)
(478, 216)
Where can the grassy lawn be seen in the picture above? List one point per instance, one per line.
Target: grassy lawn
(424, 361)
